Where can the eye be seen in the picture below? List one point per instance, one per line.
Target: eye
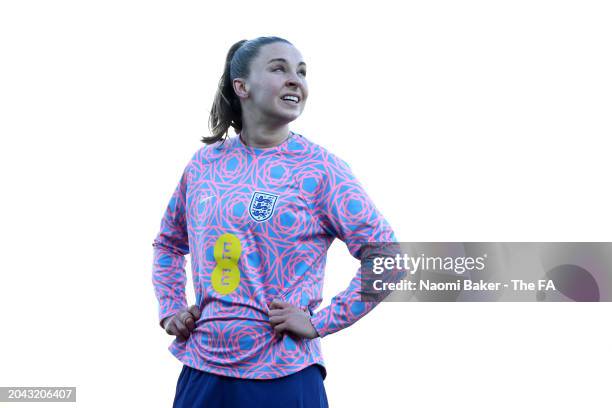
(303, 72)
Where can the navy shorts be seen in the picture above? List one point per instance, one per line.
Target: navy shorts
(303, 389)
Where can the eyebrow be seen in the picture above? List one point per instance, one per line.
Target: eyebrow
(284, 60)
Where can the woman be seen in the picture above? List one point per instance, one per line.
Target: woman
(257, 212)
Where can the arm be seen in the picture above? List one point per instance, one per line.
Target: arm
(346, 212)
(169, 249)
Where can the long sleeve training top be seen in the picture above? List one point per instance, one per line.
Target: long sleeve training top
(257, 224)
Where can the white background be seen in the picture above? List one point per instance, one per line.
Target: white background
(465, 121)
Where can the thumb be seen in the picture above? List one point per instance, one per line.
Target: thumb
(195, 311)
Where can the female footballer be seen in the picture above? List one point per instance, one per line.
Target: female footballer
(257, 212)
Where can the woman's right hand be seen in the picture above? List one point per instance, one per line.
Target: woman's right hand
(182, 323)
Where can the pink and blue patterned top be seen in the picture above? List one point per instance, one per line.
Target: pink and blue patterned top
(257, 224)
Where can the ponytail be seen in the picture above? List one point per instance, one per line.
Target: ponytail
(226, 111)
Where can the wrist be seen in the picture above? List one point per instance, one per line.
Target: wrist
(314, 328)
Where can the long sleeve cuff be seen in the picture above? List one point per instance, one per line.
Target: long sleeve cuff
(169, 306)
(317, 323)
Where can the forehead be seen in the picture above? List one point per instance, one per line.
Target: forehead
(278, 50)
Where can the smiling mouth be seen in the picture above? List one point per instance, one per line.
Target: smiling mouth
(290, 102)
(291, 97)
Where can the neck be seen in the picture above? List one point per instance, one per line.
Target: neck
(262, 136)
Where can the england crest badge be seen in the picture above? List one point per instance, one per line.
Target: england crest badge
(262, 206)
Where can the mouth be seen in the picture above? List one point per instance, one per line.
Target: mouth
(290, 103)
(291, 99)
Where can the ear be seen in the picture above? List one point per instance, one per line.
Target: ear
(240, 88)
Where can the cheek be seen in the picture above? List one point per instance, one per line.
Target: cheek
(269, 92)
(262, 91)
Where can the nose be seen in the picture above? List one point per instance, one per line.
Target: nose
(293, 81)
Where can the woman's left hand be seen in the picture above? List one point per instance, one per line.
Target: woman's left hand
(286, 317)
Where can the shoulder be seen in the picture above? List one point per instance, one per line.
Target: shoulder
(323, 156)
(211, 152)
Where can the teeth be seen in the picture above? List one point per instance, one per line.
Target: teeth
(290, 98)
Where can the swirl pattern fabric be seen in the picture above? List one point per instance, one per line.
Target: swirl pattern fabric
(277, 210)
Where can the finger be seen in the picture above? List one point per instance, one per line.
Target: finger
(195, 312)
(276, 320)
(164, 322)
(277, 312)
(190, 323)
(276, 302)
(184, 315)
(181, 329)
(170, 329)
(279, 328)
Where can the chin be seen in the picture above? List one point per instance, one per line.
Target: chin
(285, 117)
